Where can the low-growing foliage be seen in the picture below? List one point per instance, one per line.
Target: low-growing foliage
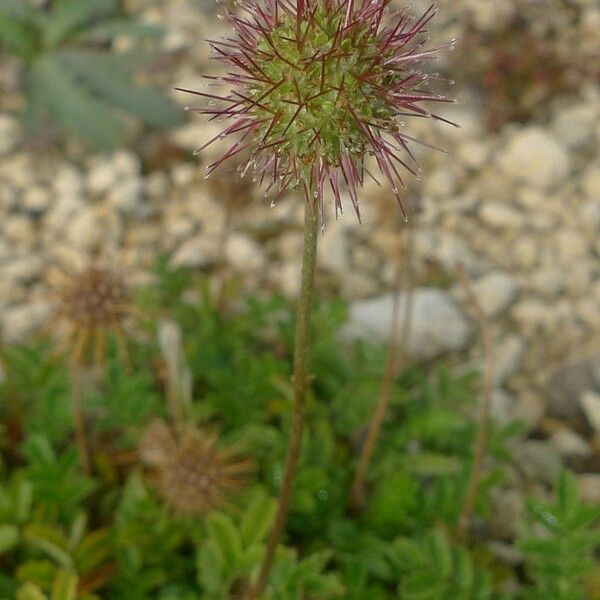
(73, 78)
(68, 536)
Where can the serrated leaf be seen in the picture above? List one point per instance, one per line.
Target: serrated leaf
(65, 586)
(9, 538)
(72, 14)
(76, 109)
(257, 520)
(105, 74)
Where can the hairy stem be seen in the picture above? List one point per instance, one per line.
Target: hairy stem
(79, 419)
(396, 353)
(300, 383)
(466, 514)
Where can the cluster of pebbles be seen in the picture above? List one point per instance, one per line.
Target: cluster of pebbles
(520, 209)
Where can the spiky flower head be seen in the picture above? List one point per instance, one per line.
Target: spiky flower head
(317, 86)
(92, 303)
(193, 472)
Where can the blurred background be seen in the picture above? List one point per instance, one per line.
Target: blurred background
(96, 157)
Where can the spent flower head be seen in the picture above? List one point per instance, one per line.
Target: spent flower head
(316, 87)
(92, 303)
(193, 472)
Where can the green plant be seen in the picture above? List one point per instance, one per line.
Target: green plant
(434, 568)
(72, 76)
(559, 550)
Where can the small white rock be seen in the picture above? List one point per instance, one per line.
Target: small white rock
(10, 134)
(500, 216)
(199, 251)
(243, 253)
(495, 291)
(536, 157)
(20, 322)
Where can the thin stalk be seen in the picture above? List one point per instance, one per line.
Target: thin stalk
(300, 384)
(396, 355)
(468, 508)
(79, 419)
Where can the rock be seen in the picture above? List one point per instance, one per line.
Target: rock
(507, 512)
(440, 183)
(10, 134)
(127, 195)
(501, 406)
(199, 252)
(495, 292)
(333, 251)
(590, 182)
(474, 153)
(538, 460)
(569, 444)
(101, 177)
(508, 354)
(589, 487)
(20, 322)
(126, 163)
(500, 216)
(590, 404)
(243, 253)
(36, 199)
(18, 229)
(23, 269)
(567, 384)
(574, 126)
(288, 278)
(536, 157)
(85, 230)
(68, 182)
(437, 325)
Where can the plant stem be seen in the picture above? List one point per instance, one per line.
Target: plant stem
(468, 507)
(78, 418)
(300, 383)
(396, 353)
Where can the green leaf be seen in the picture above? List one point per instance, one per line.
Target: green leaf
(257, 520)
(105, 75)
(76, 109)
(49, 540)
(9, 538)
(209, 565)
(73, 14)
(227, 537)
(65, 586)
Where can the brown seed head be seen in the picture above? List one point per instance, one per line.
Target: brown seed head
(192, 473)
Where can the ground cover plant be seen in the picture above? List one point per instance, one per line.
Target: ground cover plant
(119, 532)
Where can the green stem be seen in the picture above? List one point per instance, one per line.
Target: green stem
(300, 383)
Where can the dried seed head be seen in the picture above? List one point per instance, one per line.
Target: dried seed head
(193, 474)
(91, 303)
(317, 86)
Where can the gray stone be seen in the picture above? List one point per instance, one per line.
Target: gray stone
(568, 443)
(199, 251)
(574, 126)
(568, 383)
(508, 510)
(538, 460)
(508, 354)
(590, 404)
(495, 292)
(437, 324)
(243, 253)
(127, 195)
(536, 157)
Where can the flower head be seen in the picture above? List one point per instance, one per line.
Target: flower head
(193, 473)
(317, 86)
(91, 303)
